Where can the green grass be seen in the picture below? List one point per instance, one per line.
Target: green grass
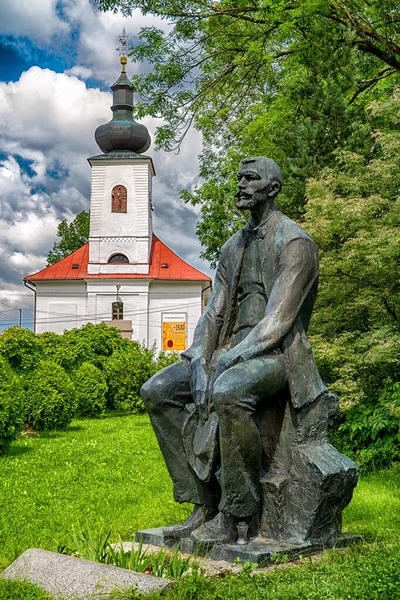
(374, 511)
(109, 474)
(99, 473)
(19, 590)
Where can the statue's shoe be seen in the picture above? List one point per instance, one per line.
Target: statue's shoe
(200, 515)
(220, 530)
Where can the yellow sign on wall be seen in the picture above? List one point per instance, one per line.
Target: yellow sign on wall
(174, 334)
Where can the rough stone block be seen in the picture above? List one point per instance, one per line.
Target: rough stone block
(304, 504)
(69, 578)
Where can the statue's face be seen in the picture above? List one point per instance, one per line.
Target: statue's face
(254, 185)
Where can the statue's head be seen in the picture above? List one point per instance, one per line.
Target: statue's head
(260, 181)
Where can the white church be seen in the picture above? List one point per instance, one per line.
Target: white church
(125, 276)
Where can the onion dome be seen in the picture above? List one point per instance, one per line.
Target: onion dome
(122, 133)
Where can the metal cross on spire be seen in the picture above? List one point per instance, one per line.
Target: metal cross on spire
(123, 49)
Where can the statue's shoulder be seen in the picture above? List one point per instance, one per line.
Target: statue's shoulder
(232, 243)
(289, 230)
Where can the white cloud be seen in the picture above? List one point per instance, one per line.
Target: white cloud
(47, 124)
(99, 32)
(31, 234)
(80, 72)
(49, 119)
(48, 111)
(35, 19)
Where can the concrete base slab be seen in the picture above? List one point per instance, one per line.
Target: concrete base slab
(260, 550)
(69, 578)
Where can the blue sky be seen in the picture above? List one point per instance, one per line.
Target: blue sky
(57, 62)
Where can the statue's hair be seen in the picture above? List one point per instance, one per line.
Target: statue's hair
(269, 165)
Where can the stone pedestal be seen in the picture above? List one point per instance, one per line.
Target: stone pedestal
(260, 550)
(307, 482)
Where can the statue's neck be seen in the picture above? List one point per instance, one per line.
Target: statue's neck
(261, 212)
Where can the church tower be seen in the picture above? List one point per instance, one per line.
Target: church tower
(124, 276)
(121, 181)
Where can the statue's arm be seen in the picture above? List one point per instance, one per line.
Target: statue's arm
(205, 341)
(207, 330)
(298, 271)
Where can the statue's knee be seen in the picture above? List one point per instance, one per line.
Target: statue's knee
(153, 392)
(223, 395)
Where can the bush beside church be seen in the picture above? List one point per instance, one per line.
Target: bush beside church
(47, 379)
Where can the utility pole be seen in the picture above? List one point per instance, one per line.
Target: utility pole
(20, 317)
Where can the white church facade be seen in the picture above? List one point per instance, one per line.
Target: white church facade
(124, 276)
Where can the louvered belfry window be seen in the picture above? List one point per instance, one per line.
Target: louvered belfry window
(117, 311)
(119, 197)
(118, 258)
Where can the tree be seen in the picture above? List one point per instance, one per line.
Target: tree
(217, 58)
(73, 236)
(353, 213)
(277, 78)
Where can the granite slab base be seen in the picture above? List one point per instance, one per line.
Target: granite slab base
(259, 550)
(69, 578)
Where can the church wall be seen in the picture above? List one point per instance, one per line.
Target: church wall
(168, 299)
(134, 296)
(60, 305)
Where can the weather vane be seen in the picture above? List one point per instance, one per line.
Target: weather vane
(123, 48)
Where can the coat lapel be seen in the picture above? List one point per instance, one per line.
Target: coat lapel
(237, 259)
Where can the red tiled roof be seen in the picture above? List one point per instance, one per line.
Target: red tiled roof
(177, 268)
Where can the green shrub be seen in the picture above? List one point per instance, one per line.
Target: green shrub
(91, 389)
(50, 398)
(11, 406)
(22, 348)
(127, 370)
(369, 432)
(90, 343)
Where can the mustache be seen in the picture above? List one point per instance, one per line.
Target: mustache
(239, 193)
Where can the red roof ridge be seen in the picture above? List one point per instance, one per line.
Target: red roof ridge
(177, 268)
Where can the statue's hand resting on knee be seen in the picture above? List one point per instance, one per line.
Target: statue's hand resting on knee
(200, 384)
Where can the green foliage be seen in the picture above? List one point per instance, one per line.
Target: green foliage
(216, 60)
(103, 368)
(370, 431)
(353, 213)
(21, 590)
(50, 399)
(21, 348)
(127, 370)
(90, 343)
(95, 545)
(278, 79)
(11, 406)
(73, 236)
(88, 544)
(91, 389)
(111, 472)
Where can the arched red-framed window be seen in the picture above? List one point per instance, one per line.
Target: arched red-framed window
(119, 199)
(117, 311)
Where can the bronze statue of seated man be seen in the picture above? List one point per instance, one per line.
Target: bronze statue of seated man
(249, 344)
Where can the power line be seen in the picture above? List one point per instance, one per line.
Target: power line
(71, 318)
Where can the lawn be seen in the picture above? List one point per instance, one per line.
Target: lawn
(109, 474)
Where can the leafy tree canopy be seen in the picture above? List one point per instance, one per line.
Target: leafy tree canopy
(215, 59)
(353, 213)
(73, 236)
(285, 79)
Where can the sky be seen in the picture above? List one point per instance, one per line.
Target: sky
(58, 59)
